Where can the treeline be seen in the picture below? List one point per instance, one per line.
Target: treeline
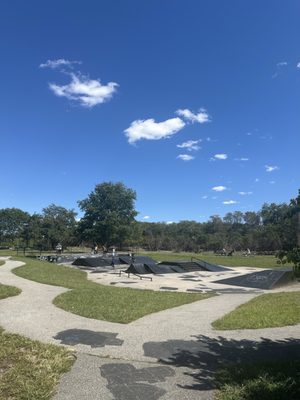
(109, 219)
(271, 229)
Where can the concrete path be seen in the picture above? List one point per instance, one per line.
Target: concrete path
(181, 338)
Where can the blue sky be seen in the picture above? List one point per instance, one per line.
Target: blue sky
(194, 104)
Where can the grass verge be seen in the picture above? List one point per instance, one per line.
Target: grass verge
(237, 260)
(2, 262)
(265, 311)
(8, 291)
(30, 369)
(267, 381)
(92, 300)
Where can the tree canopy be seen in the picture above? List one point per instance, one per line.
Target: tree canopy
(109, 213)
(109, 219)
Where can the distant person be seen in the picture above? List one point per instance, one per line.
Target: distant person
(96, 249)
(58, 248)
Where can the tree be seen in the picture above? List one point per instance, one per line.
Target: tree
(295, 205)
(108, 214)
(58, 225)
(12, 221)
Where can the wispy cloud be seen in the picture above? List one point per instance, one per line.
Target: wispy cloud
(219, 188)
(61, 62)
(242, 159)
(87, 92)
(256, 180)
(204, 197)
(150, 130)
(221, 156)
(146, 217)
(245, 193)
(298, 65)
(185, 157)
(80, 89)
(201, 117)
(230, 202)
(279, 66)
(271, 168)
(282, 64)
(190, 145)
(272, 182)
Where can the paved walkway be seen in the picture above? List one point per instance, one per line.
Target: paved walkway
(126, 364)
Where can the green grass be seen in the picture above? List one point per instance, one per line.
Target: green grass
(2, 262)
(265, 311)
(30, 370)
(92, 300)
(7, 252)
(8, 291)
(237, 260)
(267, 381)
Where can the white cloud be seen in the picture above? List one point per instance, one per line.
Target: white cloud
(219, 188)
(282, 64)
(298, 65)
(220, 156)
(170, 222)
(271, 168)
(245, 193)
(242, 159)
(230, 202)
(58, 63)
(190, 145)
(185, 157)
(87, 92)
(151, 130)
(272, 182)
(204, 197)
(146, 217)
(279, 66)
(256, 180)
(249, 133)
(201, 117)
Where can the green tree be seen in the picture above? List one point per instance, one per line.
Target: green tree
(295, 211)
(108, 214)
(12, 222)
(58, 226)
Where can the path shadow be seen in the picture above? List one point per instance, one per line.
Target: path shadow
(94, 339)
(203, 356)
(126, 382)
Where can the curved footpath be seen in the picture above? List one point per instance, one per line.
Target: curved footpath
(181, 338)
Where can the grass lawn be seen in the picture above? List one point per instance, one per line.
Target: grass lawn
(237, 260)
(92, 300)
(30, 369)
(7, 252)
(7, 291)
(265, 311)
(267, 381)
(2, 262)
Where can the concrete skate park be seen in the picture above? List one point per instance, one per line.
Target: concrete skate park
(171, 354)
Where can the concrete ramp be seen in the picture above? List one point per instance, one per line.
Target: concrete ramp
(126, 259)
(267, 279)
(138, 268)
(161, 269)
(92, 262)
(191, 266)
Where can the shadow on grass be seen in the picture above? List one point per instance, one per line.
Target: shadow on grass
(237, 362)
